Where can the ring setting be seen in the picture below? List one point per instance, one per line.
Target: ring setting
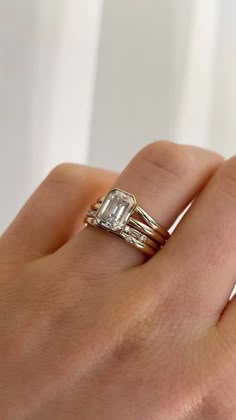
(118, 213)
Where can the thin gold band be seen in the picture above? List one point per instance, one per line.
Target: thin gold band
(159, 234)
(147, 230)
(149, 248)
(115, 213)
(152, 222)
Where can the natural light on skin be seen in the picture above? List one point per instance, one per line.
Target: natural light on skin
(117, 296)
(92, 325)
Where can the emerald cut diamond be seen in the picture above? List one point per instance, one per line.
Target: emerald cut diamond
(115, 210)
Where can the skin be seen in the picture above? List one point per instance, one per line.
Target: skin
(92, 330)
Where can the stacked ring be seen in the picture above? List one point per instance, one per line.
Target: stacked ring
(118, 213)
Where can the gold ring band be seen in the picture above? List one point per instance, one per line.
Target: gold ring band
(147, 230)
(146, 245)
(115, 213)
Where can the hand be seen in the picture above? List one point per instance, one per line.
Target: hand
(90, 330)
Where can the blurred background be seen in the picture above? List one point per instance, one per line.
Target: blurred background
(92, 81)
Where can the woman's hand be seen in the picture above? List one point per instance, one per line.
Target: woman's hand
(89, 330)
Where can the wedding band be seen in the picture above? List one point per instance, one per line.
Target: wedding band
(117, 213)
(142, 227)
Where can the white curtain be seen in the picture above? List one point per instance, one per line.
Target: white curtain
(47, 72)
(93, 81)
(166, 69)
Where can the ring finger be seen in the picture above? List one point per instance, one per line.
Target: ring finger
(164, 177)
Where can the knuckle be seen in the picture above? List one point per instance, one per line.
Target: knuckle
(228, 177)
(167, 157)
(62, 172)
(73, 175)
(65, 176)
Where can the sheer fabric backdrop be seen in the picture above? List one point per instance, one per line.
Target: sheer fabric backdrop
(47, 72)
(94, 80)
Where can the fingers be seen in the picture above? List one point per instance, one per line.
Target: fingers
(164, 177)
(200, 257)
(55, 211)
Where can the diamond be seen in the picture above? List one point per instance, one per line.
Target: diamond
(115, 210)
(138, 235)
(135, 233)
(130, 240)
(92, 213)
(127, 229)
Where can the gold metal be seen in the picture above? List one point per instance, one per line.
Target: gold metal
(147, 235)
(142, 227)
(147, 230)
(95, 206)
(149, 247)
(152, 222)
